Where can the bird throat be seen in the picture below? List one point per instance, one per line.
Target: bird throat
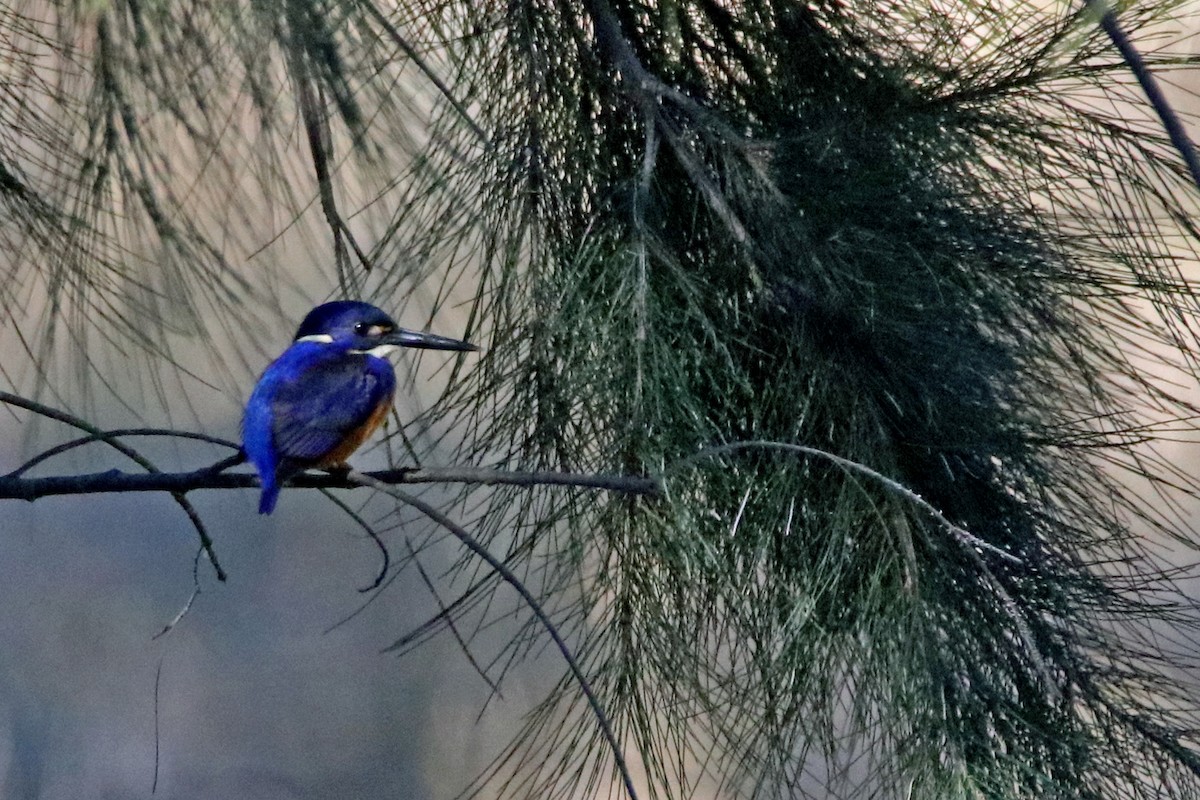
(379, 351)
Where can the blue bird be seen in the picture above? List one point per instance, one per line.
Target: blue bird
(328, 392)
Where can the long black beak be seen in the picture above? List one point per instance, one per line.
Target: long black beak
(425, 341)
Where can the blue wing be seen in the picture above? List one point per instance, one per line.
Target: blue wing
(306, 404)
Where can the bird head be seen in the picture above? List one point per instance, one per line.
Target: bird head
(363, 328)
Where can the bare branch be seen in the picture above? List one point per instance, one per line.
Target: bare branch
(212, 477)
(371, 533)
(117, 433)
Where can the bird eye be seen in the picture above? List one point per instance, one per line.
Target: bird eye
(361, 328)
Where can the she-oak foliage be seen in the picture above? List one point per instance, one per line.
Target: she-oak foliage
(925, 238)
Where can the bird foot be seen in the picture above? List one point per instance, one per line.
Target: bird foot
(341, 470)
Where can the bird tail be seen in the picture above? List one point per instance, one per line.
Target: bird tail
(270, 494)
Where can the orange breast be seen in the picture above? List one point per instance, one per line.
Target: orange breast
(356, 437)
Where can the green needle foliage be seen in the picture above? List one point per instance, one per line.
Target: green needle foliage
(906, 238)
(901, 236)
(937, 241)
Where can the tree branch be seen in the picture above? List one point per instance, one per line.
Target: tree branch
(112, 441)
(411, 53)
(118, 481)
(1107, 19)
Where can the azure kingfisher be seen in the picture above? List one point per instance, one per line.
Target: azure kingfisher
(329, 391)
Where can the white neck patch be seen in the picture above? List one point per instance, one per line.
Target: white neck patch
(321, 338)
(379, 351)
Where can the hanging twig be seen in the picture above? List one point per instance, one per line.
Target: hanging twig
(411, 52)
(512, 580)
(449, 618)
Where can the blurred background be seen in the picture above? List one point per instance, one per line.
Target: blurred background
(164, 231)
(274, 684)
(257, 696)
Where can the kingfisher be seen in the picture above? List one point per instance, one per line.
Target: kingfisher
(319, 401)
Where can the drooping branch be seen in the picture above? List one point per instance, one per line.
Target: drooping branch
(964, 536)
(1158, 100)
(509, 577)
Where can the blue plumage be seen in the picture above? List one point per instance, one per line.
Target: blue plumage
(316, 403)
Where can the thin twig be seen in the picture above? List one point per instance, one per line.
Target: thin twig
(103, 436)
(75, 422)
(411, 52)
(462, 643)
(370, 531)
(170, 626)
(962, 534)
(512, 580)
(973, 543)
(1014, 613)
(425, 629)
(157, 681)
(316, 128)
